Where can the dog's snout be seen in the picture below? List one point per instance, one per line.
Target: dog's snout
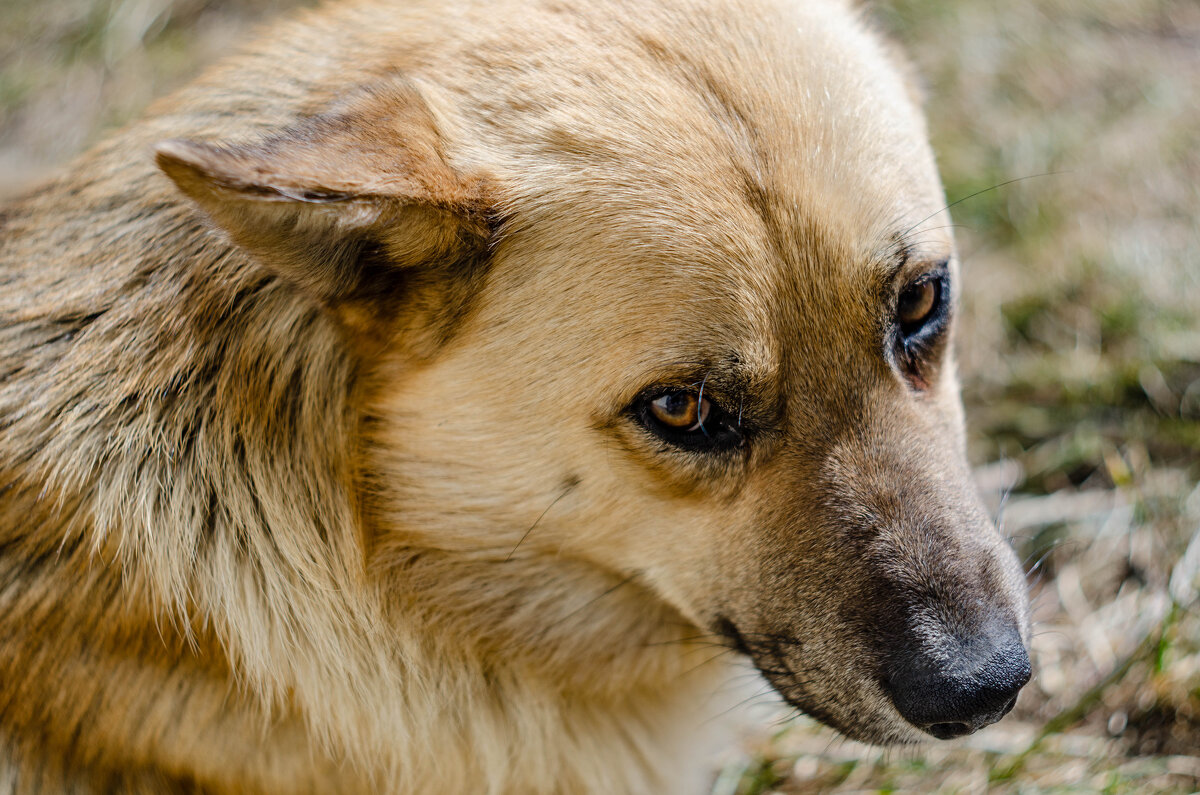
(963, 688)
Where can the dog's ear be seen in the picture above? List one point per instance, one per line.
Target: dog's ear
(340, 194)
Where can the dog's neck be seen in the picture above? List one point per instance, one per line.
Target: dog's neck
(194, 483)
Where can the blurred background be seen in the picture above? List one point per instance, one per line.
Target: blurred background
(1074, 128)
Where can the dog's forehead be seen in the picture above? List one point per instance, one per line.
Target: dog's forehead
(741, 176)
(750, 132)
(767, 153)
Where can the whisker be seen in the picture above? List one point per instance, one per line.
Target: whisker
(766, 691)
(536, 521)
(957, 202)
(908, 240)
(706, 661)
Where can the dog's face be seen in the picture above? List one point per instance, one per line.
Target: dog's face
(706, 349)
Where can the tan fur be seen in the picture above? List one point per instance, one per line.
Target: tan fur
(316, 469)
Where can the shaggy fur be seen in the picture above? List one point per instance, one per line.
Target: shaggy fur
(319, 470)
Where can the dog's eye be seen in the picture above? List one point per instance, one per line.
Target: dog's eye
(919, 303)
(922, 317)
(689, 419)
(681, 411)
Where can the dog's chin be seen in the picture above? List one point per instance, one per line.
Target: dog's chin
(862, 711)
(878, 731)
(873, 721)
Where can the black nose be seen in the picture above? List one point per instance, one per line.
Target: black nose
(964, 685)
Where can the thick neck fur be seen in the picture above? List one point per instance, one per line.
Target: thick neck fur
(182, 549)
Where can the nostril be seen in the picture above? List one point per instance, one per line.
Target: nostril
(948, 731)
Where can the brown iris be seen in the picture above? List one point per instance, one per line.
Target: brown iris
(917, 303)
(686, 418)
(683, 411)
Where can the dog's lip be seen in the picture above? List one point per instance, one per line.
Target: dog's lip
(728, 630)
(900, 732)
(865, 725)
(877, 731)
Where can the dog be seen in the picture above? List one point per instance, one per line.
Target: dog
(452, 397)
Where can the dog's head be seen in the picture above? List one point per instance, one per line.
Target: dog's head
(665, 297)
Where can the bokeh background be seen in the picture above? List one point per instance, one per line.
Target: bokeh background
(1074, 128)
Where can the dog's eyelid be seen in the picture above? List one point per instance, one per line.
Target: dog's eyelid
(907, 255)
(915, 272)
(717, 428)
(920, 321)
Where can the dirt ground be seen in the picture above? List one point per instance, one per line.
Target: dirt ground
(1069, 135)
